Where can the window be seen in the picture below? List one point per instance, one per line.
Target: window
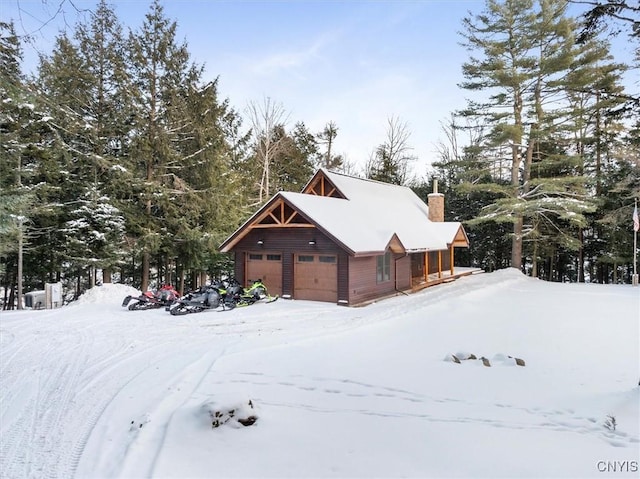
(305, 259)
(327, 259)
(274, 257)
(383, 271)
(255, 257)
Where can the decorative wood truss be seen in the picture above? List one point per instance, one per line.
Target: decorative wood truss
(321, 186)
(281, 215)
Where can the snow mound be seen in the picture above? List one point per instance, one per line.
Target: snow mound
(108, 293)
(234, 414)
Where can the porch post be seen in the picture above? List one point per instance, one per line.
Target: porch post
(439, 263)
(426, 266)
(451, 259)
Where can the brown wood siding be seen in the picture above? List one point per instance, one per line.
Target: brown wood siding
(433, 262)
(238, 266)
(403, 272)
(363, 285)
(446, 260)
(343, 278)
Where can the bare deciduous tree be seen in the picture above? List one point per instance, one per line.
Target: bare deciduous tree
(391, 160)
(265, 117)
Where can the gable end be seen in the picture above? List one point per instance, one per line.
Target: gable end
(320, 185)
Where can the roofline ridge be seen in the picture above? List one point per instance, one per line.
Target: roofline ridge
(362, 179)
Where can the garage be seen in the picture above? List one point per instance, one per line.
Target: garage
(268, 267)
(316, 277)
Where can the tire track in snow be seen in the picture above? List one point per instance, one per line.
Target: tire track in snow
(61, 402)
(141, 460)
(38, 437)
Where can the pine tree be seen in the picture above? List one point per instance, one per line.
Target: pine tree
(292, 164)
(162, 76)
(327, 136)
(459, 167)
(25, 138)
(86, 82)
(524, 54)
(209, 198)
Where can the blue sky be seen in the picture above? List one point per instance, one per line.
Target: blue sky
(356, 63)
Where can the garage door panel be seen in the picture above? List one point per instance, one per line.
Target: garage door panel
(316, 278)
(268, 268)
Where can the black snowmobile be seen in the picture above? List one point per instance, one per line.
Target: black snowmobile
(202, 299)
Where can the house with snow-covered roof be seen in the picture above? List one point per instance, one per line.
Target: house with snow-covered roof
(347, 240)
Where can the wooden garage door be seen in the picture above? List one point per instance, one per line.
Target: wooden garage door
(268, 267)
(316, 277)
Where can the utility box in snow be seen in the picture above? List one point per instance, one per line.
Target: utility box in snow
(35, 299)
(49, 298)
(53, 295)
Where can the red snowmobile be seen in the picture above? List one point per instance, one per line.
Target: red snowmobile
(160, 298)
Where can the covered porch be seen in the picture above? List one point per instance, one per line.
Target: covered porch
(433, 279)
(430, 268)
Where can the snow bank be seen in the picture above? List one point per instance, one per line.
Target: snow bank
(109, 293)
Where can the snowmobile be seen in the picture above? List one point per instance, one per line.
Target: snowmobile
(237, 296)
(163, 297)
(202, 299)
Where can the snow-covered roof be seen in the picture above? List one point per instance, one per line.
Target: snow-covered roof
(370, 215)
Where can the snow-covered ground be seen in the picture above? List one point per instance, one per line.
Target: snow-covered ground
(93, 390)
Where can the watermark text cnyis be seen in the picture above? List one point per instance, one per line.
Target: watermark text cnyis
(617, 466)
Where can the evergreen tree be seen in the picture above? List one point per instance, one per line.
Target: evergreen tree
(594, 92)
(86, 82)
(95, 232)
(209, 198)
(25, 138)
(162, 77)
(525, 53)
(293, 162)
(327, 136)
(458, 167)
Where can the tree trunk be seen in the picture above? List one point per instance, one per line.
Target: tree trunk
(106, 275)
(180, 279)
(19, 278)
(516, 245)
(581, 257)
(145, 272)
